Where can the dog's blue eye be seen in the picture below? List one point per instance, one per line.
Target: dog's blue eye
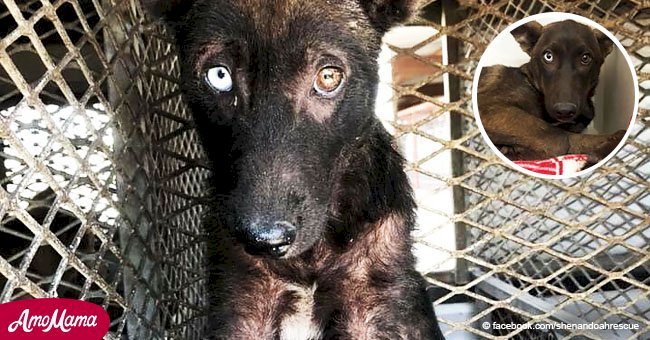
(219, 78)
(548, 56)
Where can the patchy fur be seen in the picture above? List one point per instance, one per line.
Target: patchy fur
(300, 323)
(311, 211)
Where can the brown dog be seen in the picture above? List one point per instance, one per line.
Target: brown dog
(538, 110)
(311, 215)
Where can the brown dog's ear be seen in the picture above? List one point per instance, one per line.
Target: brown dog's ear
(169, 10)
(527, 34)
(384, 14)
(606, 44)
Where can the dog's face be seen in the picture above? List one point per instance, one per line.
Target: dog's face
(278, 90)
(565, 61)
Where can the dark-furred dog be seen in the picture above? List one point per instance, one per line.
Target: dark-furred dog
(538, 110)
(312, 212)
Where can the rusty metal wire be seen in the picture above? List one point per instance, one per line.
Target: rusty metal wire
(535, 250)
(100, 171)
(96, 194)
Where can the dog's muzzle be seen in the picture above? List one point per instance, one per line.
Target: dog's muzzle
(268, 239)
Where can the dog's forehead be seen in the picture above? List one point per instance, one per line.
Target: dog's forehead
(282, 29)
(568, 32)
(271, 25)
(288, 8)
(275, 18)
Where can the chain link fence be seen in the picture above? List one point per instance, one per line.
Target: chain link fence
(101, 178)
(97, 174)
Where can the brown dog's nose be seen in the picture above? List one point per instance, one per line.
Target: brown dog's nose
(273, 239)
(565, 111)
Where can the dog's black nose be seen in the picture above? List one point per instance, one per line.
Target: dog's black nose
(273, 239)
(565, 110)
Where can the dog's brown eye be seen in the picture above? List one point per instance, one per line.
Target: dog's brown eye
(585, 59)
(548, 56)
(328, 80)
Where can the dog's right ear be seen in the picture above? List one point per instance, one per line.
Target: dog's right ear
(527, 34)
(606, 45)
(168, 10)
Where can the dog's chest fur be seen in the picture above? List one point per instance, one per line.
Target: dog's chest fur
(299, 323)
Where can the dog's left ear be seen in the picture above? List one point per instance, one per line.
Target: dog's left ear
(384, 14)
(606, 44)
(527, 35)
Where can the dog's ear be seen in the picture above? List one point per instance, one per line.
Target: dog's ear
(527, 34)
(606, 44)
(384, 14)
(168, 10)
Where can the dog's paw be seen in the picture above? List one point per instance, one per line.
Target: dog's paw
(507, 150)
(618, 136)
(605, 147)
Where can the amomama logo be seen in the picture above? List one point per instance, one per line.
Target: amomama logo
(52, 319)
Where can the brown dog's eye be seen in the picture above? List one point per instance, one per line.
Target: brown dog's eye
(548, 56)
(329, 80)
(585, 59)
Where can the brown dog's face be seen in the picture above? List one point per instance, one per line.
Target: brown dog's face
(565, 61)
(278, 90)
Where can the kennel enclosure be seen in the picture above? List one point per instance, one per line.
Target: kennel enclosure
(101, 178)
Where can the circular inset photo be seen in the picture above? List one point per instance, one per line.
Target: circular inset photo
(555, 95)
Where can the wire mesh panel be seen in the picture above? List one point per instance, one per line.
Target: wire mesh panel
(96, 197)
(101, 177)
(528, 249)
